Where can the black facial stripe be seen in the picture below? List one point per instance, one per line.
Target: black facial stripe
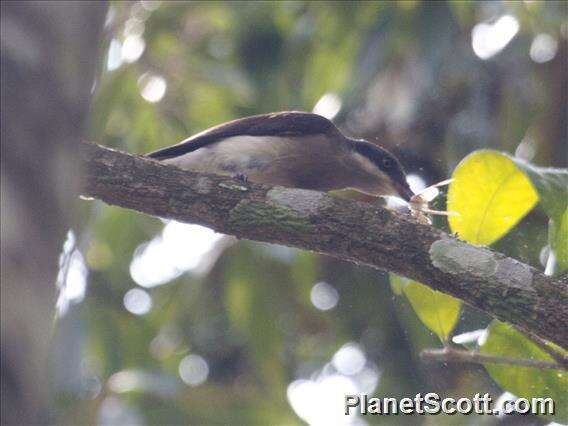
(384, 160)
(377, 155)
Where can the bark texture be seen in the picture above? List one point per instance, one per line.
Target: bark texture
(358, 232)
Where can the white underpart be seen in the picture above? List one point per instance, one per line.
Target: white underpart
(240, 151)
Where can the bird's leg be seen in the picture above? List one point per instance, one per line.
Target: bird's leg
(241, 177)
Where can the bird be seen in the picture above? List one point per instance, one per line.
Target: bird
(291, 149)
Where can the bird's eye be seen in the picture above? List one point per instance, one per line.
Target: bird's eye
(387, 163)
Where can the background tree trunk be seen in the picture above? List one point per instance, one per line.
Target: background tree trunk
(49, 56)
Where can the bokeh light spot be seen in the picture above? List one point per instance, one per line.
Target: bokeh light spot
(132, 49)
(328, 106)
(488, 39)
(114, 56)
(152, 87)
(324, 296)
(137, 301)
(72, 275)
(543, 48)
(415, 182)
(180, 248)
(350, 359)
(193, 370)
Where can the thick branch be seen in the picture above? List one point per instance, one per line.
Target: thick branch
(349, 230)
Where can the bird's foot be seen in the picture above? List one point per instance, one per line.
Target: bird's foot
(241, 177)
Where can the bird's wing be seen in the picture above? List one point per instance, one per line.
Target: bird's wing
(287, 123)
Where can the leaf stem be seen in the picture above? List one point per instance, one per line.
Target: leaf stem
(543, 344)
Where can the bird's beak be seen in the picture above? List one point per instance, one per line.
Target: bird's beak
(404, 191)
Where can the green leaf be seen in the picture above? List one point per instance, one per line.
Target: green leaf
(490, 195)
(524, 382)
(558, 237)
(551, 185)
(438, 311)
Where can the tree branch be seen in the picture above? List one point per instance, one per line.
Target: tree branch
(450, 354)
(358, 232)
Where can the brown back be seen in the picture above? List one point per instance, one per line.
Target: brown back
(286, 123)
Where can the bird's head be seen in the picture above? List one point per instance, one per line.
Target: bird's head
(389, 176)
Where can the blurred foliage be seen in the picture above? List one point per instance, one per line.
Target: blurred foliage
(504, 340)
(251, 333)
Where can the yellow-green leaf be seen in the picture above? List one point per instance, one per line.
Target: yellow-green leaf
(398, 283)
(525, 382)
(438, 311)
(490, 195)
